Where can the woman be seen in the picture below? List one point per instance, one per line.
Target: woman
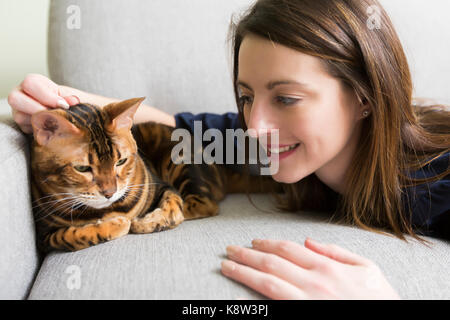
(338, 88)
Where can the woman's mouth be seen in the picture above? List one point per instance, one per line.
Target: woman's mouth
(282, 151)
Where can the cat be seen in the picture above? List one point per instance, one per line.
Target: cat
(97, 177)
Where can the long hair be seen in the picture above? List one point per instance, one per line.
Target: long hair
(398, 138)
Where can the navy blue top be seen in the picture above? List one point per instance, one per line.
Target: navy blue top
(430, 203)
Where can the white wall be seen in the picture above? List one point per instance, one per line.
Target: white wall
(424, 28)
(23, 41)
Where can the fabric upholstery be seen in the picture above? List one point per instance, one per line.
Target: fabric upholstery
(173, 52)
(19, 261)
(184, 263)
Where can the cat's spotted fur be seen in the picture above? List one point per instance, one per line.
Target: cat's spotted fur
(96, 178)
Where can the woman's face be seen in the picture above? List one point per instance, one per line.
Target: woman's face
(317, 117)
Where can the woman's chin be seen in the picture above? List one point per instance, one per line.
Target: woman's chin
(285, 178)
(288, 174)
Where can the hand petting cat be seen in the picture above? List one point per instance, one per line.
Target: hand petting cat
(37, 93)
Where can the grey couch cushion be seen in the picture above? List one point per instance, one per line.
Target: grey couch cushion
(184, 263)
(18, 257)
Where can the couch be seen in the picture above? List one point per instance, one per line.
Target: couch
(175, 53)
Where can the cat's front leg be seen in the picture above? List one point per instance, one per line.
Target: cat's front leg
(77, 238)
(168, 215)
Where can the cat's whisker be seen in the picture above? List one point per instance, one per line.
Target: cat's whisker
(133, 196)
(66, 210)
(53, 203)
(69, 208)
(145, 184)
(70, 195)
(48, 203)
(54, 210)
(53, 195)
(63, 199)
(62, 194)
(58, 206)
(71, 211)
(84, 210)
(136, 188)
(64, 205)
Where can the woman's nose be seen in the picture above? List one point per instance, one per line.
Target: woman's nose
(261, 119)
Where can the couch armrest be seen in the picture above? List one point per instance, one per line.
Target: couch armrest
(19, 260)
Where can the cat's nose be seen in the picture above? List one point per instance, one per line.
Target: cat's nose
(108, 193)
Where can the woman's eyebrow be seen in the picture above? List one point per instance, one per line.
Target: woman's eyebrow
(271, 85)
(243, 84)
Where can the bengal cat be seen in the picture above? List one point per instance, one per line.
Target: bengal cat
(96, 177)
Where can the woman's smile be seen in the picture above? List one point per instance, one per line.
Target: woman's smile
(283, 151)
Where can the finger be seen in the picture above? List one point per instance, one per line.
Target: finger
(336, 253)
(272, 264)
(26, 128)
(291, 251)
(266, 284)
(19, 101)
(22, 119)
(72, 100)
(43, 90)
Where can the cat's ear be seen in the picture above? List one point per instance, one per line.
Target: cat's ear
(121, 113)
(48, 125)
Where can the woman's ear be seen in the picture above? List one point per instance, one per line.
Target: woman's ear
(121, 114)
(50, 125)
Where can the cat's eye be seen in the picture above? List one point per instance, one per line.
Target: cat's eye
(121, 162)
(83, 168)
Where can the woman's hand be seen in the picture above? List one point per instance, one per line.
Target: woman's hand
(36, 93)
(286, 270)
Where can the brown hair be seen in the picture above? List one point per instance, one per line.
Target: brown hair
(397, 138)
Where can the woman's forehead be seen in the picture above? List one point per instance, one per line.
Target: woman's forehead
(263, 59)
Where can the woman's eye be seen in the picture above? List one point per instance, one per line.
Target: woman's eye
(245, 100)
(121, 162)
(287, 101)
(83, 168)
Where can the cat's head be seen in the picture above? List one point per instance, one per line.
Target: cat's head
(86, 152)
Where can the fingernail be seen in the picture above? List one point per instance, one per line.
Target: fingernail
(63, 104)
(228, 266)
(78, 99)
(231, 252)
(256, 242)
(313, 241)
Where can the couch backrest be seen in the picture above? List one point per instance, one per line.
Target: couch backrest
(175, 52)
(171, 51)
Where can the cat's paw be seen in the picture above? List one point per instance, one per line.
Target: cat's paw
(115, 227)
(154, 221)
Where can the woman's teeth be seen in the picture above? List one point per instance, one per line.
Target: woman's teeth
(283, 149)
